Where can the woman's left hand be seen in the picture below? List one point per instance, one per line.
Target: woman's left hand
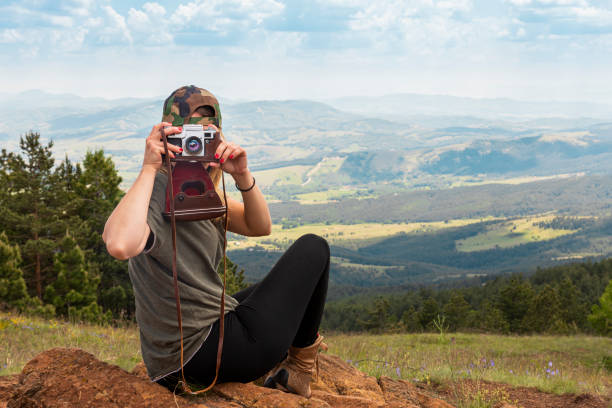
(232, 158)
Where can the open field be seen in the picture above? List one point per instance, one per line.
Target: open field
(349, 236)
(327, 196)
(512, 233)
(282, 176)
(556, 364)
(504, 234)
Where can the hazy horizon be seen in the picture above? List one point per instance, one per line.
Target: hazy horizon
(232, 99)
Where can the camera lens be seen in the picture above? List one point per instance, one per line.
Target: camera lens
(193, 145)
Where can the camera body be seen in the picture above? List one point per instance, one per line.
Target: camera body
(198, 143)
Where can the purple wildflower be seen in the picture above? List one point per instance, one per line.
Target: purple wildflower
(397, 371)
(511, 372)
(492, 363)
(550, 363)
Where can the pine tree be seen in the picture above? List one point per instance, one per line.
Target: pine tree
(29, 215)
(234, 278)
(601, 314)
(97, 193)
(543, 312)
(513, 301)
(491, 319)
(573, 310)
(410, 319)
(12, 285)
(456, 311)
(378, 319)
(429, 311)
(74, 291)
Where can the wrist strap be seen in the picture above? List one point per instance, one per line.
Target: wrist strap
(247, 189)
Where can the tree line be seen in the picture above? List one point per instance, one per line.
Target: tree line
(53, 261)
(563, 299)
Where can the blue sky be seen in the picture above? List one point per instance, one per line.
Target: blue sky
(248, 49)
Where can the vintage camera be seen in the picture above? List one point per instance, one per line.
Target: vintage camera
(198, 143)
(193, 194)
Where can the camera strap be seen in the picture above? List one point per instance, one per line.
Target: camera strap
(184, 383)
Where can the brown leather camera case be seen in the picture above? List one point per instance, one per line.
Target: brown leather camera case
(194, 194)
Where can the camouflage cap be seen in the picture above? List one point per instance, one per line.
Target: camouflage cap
(182, 103)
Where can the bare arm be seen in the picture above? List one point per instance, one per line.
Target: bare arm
(126, 230)
(252, 216)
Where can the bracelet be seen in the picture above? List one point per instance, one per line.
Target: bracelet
(247, 189)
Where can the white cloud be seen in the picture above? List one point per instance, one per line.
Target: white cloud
(149, 26)
(67, 41)
(138, 19)
(116, 27)
(242, 12)
(420, 27)
(519, 2)
(455, 5)
(10, 35)
(582, 3)
(155, 9)
(62, 21)
(592, 15)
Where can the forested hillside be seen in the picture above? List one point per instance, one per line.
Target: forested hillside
(555, 300)
(587, 195)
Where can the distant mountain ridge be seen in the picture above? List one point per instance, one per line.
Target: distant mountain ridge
(506, 139)
(404, 105)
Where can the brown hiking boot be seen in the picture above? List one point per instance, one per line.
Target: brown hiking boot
(295, 372)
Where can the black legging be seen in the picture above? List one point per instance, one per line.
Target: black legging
(284, 309)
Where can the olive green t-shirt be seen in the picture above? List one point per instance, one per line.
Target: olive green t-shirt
(199, 246)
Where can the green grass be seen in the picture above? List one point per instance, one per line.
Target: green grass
(516, 360)
(320, 197)
(282, 176)
(512, 233)
(21, 338)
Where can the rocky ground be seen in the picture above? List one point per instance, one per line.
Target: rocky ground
(63, 377)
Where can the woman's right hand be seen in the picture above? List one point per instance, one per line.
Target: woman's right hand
(155, 146)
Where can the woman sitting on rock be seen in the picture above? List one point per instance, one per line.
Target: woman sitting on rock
(272, 325)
